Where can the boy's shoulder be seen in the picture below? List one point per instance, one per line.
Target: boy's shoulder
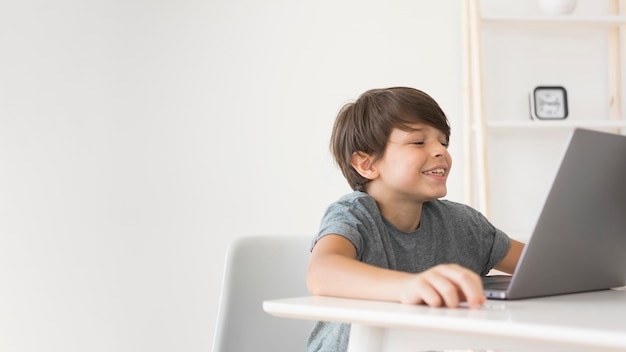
(355, 203)
(356, 197)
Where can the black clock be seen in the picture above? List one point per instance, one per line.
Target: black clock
(548, 103)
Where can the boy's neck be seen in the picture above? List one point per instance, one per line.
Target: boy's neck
(404, 213)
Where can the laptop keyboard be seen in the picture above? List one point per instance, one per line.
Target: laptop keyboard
(496, 282)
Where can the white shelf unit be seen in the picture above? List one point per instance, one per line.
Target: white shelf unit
(480, 123)
(597, 21)
(565, 124)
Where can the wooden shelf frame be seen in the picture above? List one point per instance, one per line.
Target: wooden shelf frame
(477, 127)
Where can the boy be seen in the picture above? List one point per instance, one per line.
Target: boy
(392, 238)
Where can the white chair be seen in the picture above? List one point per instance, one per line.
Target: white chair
(259, 268)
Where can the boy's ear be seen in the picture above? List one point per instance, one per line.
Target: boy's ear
(363, 163)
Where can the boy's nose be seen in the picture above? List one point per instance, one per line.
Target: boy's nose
(439, 150)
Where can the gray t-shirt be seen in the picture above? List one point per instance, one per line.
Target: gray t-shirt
(448, 232)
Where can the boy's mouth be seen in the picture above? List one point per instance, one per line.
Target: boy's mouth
(435, 172)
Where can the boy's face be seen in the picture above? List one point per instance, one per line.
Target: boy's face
(415, 164)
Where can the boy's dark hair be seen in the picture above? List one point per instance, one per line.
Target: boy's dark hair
(366, 124)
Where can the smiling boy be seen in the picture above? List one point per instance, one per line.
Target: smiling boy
(393, 239)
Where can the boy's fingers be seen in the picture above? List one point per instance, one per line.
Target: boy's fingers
(445, 285)
(430, 296)
(469, 284)
(447, 290)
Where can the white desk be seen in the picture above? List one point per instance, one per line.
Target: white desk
(594, 321)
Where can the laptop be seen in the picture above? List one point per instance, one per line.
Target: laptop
(579, 241)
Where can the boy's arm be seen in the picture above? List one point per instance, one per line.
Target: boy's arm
(509, 262)
(334, 271)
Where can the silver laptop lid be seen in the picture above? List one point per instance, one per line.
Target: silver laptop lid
(579, 242)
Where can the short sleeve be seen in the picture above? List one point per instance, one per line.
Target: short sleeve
(355, 217)
(344, 220)
(499, 249)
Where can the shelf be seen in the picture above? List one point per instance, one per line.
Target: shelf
(565, 124)
(483, 124)
(599, 21)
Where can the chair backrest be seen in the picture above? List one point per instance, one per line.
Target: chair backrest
(259, 268)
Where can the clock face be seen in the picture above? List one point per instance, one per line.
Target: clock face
(549, 103)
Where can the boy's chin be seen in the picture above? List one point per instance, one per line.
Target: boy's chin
(441, 193)
(435, 196)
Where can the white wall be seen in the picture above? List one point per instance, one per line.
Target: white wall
(138, 137)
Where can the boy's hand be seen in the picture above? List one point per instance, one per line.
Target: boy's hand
(444, 285)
